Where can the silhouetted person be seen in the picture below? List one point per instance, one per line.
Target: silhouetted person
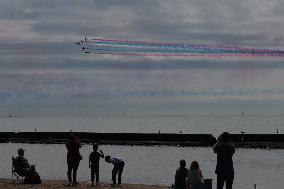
(24, 168)
(181, 175)
(73, 158)
(194, 176)
(94, 163)
(225, 149)
(118, 165)
(22, 163)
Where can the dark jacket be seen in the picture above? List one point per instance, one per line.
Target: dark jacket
(22, 165)
(224, 159)
(73, 147)
(94, 158)
(180, 178)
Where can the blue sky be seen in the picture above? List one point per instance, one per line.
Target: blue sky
(40, 63)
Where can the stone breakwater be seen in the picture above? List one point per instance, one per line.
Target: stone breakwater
(275, 141)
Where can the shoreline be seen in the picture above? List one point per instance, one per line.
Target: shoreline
(61, 184)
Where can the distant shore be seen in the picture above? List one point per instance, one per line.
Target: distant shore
(60, 184)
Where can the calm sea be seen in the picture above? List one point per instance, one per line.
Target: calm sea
(208, 124)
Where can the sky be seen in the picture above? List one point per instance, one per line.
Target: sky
(41, 65)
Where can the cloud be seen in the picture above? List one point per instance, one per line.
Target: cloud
(38, 55)
(149, 20)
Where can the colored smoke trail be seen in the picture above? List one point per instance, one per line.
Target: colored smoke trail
(162, 49)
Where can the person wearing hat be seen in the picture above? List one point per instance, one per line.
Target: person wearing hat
(22, 162)
(94, 163)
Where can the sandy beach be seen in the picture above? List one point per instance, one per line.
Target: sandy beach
(60, 184)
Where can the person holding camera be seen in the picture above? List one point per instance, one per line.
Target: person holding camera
(225, 150)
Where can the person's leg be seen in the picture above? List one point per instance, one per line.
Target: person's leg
(229, 181)
(120, 170)
(69, 171)
(220, 181)
(92, 174)
(75, 168)
(114, 172)
(97, 174)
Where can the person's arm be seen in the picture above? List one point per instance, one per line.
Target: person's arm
(25, 163)
(231, 145)
(188, 180)
(233, 148)
(90, 160)
(101, 154)
(218, 143)
(201, 174)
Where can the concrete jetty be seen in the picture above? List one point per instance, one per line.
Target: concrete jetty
(111, 138)
(240, 140)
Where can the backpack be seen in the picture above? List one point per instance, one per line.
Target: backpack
(33, 178)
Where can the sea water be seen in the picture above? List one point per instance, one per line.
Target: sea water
(152, 165)
(124, 123)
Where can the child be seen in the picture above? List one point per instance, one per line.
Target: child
(94, 163)
(194, 177)
(181, 175)
(118, 165)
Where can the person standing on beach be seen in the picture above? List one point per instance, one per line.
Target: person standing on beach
(73, 158)
(181, 175)
(94, 163)
(118, 165)
(225, 149)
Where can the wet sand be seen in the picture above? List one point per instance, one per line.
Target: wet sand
(59, 184)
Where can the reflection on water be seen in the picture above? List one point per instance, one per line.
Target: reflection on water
(153, 165)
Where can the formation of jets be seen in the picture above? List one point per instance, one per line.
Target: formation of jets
(85, 49)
